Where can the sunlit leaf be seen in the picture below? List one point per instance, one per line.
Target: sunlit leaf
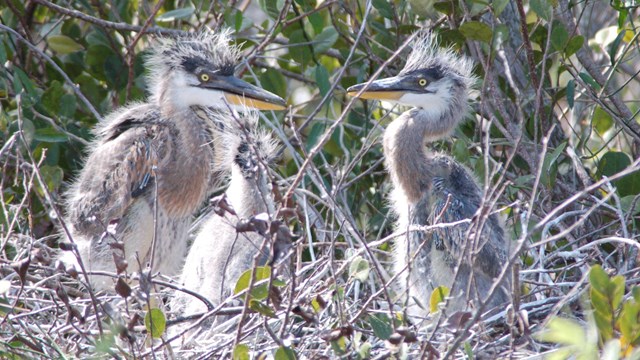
(155, 322)
(359, 269)
(284, 353)
(241, 352)
(63, 44)
(259, 292)
(563, 331)
(438, 295)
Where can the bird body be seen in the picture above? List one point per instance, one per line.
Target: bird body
(220, 253)
(153, 164)
(136, 147)
(431, 189)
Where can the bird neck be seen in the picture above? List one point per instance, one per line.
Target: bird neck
(407, 158)
(249, 192)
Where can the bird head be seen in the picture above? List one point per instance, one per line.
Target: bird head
(198, 70)
(433, 79)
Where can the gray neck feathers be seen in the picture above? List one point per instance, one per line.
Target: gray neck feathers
(408, 160)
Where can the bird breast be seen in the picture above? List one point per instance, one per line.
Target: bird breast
(184, 175)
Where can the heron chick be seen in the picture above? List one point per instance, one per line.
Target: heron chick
(433, 188)
(223, 250)
(152, 164)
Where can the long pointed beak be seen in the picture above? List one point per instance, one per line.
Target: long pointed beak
(240, 92)
(390, 89)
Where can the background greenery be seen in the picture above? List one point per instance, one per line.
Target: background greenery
(553, 135)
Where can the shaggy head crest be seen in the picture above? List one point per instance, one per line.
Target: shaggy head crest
(426, 53)
(202, 49)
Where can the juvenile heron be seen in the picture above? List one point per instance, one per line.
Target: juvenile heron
(152, 164)
(431, 188)
(221, 253)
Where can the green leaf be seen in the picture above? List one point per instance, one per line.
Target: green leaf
(635, 291)
(259, 292)
(613, 48)
(273, 80)
(63, 44)
(241, 22)
(23, 82)
(381, 326)
(600, 304)
(284, 353)
(559, 36)
(384, 8)
(322, 80)
(364, 351)
(176, 14)
(68, 106)
(52, 175)
(550, 166)
(51, 135)
(612, 163)
(51, 97)
(616, 291)
(598, 279)
(317, 22)
(271, 7)
(629, 326)
(261, 308)
(571, 93)
(359, 269)
(626, 204)
(299, 50)
(438, 295)
(155, 322)
(325, 40)
(589, 80)
(563, 331)
(574, 44)
(476, 30)
(542, 8)
(445, 7)
(601, 121)
(241, 352)
(498, 6)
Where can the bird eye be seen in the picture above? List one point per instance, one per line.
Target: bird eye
(204, 77)
(423, 82)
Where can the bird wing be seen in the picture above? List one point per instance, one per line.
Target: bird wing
(489, 249)
(120, 168)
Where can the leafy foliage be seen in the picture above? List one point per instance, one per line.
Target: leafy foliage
(615, 321)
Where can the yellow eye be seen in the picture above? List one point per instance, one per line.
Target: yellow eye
(204, 77)
(423, 82)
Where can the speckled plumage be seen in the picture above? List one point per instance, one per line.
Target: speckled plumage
(160, 153)
(433, 188)
(219, 254)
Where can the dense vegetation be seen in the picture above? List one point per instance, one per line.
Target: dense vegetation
(554, 135)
